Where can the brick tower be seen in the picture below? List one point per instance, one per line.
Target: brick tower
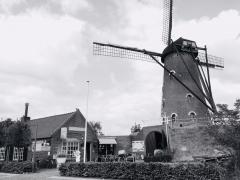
(177, 101)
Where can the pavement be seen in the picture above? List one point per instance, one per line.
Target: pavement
(48, 174)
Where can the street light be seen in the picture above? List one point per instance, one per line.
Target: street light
(85, 135)
(35, 145)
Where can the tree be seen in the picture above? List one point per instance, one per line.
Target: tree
(228, 134)
(97, 127)
(136, 128)
(14, 134)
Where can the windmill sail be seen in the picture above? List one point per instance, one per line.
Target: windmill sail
(167, 21)
(124, 52)
(213, 61)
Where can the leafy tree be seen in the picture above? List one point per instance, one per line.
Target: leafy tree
(136, 128)
(97, 127)
(14, 134)
(228, 133)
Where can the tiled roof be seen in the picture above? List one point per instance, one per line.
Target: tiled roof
(48, 125)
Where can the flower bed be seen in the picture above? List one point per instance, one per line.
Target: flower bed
(163, 171)
(16, 167)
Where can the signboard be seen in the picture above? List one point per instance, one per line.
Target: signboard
(137, 146)
(76, 129)
(63, 133)
(41, 145)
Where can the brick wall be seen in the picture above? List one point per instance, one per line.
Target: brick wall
(189, 142)
(174, 94)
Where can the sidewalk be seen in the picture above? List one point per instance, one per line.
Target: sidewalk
(47, 174)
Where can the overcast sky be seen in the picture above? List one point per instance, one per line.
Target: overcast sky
(46, 56)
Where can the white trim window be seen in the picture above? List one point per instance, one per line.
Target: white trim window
(18, 154)
(2, 153)
(192, 115)
(173, 117)
(70, 147)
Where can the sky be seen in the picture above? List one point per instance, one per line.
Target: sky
(46, 56)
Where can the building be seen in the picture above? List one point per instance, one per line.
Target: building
(143, 142)
(62, 134)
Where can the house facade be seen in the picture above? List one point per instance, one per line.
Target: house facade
(62, 134)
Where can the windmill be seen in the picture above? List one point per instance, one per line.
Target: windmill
(186, 90)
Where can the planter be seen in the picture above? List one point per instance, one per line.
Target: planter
(61, 160)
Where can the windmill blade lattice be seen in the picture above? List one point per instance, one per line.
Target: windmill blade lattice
(167, 21)
(213, 61)
(124, 52)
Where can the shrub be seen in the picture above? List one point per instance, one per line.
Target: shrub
(16, 167)
(160, 156)
(47, 163)
(126, 170)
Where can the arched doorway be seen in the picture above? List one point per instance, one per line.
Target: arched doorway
(155, 140)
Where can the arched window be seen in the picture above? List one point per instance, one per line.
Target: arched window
(173, 117)
(192, 115)
(189, 97)
(171, 73)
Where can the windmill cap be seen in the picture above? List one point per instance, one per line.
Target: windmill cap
(182, 45)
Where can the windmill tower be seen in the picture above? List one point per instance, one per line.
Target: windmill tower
(182, 59)
(186, 91)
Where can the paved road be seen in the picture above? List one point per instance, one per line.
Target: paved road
(49, 174)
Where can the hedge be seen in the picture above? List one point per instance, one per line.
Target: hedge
(144, 171)
(16, 167)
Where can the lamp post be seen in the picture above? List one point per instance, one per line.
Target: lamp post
(35, 145)
(85, 134)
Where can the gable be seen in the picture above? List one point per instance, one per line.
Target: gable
(45, 127)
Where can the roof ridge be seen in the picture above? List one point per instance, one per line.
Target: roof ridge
(52, 116)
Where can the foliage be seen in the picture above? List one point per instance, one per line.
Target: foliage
(136, 128)
(228, 133)
(19, 134)
(126, 170)
(14, 134)
(47, 163)
(16, 167)
(160, 156)
(229, 114)
(97, 127)
(4, 130)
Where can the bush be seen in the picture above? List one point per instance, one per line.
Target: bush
(47, 163)
(126, 170)
(16, 167)
(160, 156)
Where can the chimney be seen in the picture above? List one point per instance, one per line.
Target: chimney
(26, 109)
(25, 118)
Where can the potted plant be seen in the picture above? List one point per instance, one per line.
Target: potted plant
(61, 159)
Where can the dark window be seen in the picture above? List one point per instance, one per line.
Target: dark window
(174, 116)
(189, 97)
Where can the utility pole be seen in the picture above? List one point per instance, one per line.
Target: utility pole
(86, 119)
(35, 145)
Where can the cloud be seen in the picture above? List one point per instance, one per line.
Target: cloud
(46, 58)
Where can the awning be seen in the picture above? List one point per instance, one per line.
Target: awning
(107, 141)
